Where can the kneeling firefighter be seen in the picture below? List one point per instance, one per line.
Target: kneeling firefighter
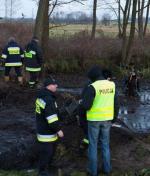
(48, 124)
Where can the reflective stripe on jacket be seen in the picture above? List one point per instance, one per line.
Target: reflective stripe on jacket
(13, 64)
(47, 121)
(103, 104)
(12, 54)
(47, 138)
(33, 57)
(31, 62)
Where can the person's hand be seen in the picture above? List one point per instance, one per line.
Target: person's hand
(80, 101)
(60, 133)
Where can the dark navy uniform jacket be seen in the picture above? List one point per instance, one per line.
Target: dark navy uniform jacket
(13, 54)
(33, 57)
(47, 120)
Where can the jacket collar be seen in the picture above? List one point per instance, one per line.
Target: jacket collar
(50, 93)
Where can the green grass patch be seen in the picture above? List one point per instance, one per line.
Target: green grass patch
(18, 173)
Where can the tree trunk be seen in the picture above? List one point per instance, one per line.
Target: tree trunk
(146, 20)
(124, 32)
(132, 31)
(94, 19)
(40, 20)
(45, 35)
(119, 20)
(41, 29)
(140, 18)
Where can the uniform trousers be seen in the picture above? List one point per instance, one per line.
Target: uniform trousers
(46, 153)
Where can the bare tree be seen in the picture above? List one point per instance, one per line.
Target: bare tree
(39, 23)
(142, 24)
(94, 19)
(106, 19)
(126, 56)
(119, 19)
(140, 18)
(146, 19)
(11, 7)
(41, 29)
(126, 13)
(117, 11)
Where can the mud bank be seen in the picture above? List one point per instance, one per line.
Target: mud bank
(18, 148)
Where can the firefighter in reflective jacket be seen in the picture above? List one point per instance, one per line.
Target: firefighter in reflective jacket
(33, 60)
(13, 55)
(48, 125)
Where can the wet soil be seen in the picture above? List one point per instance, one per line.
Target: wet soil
(18, 148)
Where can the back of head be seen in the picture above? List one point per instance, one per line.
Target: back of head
(107, 74)
(32, 44)
(11, 39)
(35, 39)
(94, 73)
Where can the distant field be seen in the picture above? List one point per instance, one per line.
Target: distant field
(68, 30)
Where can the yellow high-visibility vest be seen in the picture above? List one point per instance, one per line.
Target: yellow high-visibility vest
(103, 104)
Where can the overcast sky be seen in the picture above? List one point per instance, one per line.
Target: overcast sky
(29, 8)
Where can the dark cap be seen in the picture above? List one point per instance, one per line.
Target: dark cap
(49, 81)
(94, 73)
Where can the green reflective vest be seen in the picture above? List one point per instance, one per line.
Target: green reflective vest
(103, 104)
(30, 54)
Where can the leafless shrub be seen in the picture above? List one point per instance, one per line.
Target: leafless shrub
(78, 52)
(21, 31)
(85, 51)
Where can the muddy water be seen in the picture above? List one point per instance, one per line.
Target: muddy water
(17, 126)
(134, 113)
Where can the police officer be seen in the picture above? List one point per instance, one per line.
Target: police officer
(33, 60)
(99, 103)
(48, 125)
(13, 56)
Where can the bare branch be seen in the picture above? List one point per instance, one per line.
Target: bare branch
(143, 7)
(63, 3)
(54, 5)
(120, 6)
(110, 7)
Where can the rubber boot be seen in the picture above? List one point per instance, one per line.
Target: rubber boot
(7, 78)
(20, 80)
